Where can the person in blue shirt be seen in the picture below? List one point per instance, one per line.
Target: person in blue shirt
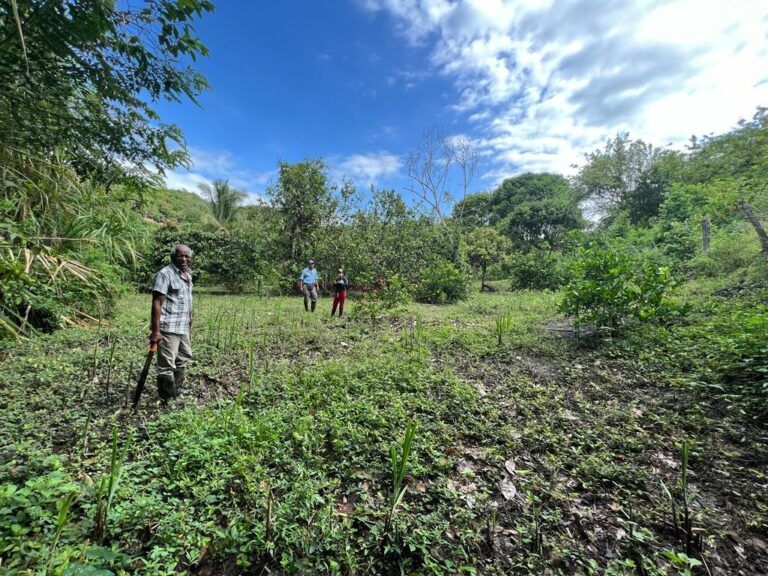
(308, 285)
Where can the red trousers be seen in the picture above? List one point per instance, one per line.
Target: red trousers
(338, 300)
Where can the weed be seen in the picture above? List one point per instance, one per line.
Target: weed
(398, 468)
(502, 326)
(108, 487)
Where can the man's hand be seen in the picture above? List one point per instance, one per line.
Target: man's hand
(155, 337)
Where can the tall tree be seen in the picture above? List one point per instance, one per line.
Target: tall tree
(431, 165)
(627, 175)
(304, 200)
(84, 75)
(224, 200)
(532, 209)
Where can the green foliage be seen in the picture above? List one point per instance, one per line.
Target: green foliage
(86, 77)
(235, 261)
(609, 286)
(442, 284)
(628, 175)
(539, 269)
(728, 354)
(502, 325)
(223, 200)
(175, 208)
(532, 209)
(64, 244)
(388, 299)
(485, 247)
(303, 198)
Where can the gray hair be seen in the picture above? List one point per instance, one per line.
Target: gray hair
(178, 246)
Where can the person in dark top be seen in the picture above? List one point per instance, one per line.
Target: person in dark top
(339, 292)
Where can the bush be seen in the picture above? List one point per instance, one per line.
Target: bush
(610, 286)
(730, 251)
(442, 284)
(536, 270)
(388, 300)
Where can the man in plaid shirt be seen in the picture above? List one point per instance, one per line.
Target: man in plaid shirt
(171, 321)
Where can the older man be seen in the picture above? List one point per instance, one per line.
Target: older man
(308, 285)
(171, 321)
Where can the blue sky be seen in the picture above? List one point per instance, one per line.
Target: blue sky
(533, 84)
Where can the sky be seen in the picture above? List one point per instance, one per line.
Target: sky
(533, 85)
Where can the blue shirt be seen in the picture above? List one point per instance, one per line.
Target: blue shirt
(309, 277)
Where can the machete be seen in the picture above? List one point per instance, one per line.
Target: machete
(143, 376)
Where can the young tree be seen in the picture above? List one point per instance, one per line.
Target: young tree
(485, 246)
(224, 200)
(304, 201)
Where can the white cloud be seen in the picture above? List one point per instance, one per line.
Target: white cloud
(369, 168)
(207, 165)
(544, 81)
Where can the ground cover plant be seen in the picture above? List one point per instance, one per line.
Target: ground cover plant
(289, 454)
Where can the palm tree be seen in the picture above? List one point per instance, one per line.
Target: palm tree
(223, 199)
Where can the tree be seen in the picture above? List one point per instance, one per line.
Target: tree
(474, 210)
(627, 175)
(304, 201)
(224, 200)
(533, 209)
(430, 167)
(83, 75)
(485, 246)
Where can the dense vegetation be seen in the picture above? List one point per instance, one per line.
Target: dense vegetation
(560, 375)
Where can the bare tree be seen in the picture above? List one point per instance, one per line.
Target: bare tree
(430, 167)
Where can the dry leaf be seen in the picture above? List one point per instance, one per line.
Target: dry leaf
(510, 466)
(508, 489)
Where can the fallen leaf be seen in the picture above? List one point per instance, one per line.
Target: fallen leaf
(508, 489)
(510, 466)
(421, 487)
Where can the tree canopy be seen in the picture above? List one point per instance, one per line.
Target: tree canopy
(84, 75)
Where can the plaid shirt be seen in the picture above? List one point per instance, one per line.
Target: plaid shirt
(177, 307)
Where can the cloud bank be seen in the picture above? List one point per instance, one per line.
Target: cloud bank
(544, 81)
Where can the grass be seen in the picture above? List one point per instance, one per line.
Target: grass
(281, 462)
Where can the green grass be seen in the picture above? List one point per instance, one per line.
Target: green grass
(281, 459)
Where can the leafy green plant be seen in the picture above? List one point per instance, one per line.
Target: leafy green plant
(63, 507)
(538, 269)
(108, 485)
(682, 521)
(442, 284)
(682, 561)
(610, 286)
(398, 468)
(502, 326)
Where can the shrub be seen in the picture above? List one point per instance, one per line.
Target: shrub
(442, 284)
(387, 300)
(536, 270)
(609, 286)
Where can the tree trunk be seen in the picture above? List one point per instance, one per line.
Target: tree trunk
(761, 235)
(482, 279)
(705, 235)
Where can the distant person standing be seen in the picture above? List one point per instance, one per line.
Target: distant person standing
(171, 321)
(339, 292)
(308, 285)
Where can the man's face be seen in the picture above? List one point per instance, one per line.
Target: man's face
(311, 265)
(181, 258)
